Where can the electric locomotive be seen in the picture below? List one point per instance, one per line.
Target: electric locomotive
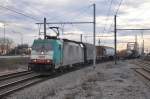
(49, 54)
(45, 54)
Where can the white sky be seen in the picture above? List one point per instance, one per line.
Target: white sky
(132, 14)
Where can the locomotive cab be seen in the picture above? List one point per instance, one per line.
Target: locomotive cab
(43, 56)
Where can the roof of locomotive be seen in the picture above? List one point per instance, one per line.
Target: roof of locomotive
(42, 41)
(48, 38)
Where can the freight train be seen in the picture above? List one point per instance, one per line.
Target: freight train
(128, 54)
(53, 53)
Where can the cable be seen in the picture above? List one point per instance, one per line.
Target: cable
(127, 23)
(19, 13)
(118, 7)
(83, 11)
(116, 13)
(107, 17)
(132, 25)
(109, 30)
(39, 10)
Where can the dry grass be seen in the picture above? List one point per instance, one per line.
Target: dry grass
(12, 63)
(52, 92)
(93, 77)
(69, 96)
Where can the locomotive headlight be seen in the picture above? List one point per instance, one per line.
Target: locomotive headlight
(42, 53)
(48, 61)
(34, 60)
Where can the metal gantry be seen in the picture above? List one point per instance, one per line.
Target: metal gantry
(94, 33)
(124, 29)
(88, 22)
(115, 37)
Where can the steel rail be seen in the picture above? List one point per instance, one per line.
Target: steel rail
(11, 87)
(18, 81)
(18, 85)
(7, 92)
(12, 75)
(144, 73)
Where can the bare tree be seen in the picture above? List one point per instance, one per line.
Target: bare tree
(5, 45)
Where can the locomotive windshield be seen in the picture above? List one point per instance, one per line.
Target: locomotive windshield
(41, 46)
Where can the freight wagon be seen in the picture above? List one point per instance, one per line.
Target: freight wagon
(104, 53)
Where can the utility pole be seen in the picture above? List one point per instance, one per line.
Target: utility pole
(143, 47)
(39, 26)
(21, 38)
(81, 37)
(44, 28)
(4, 47)
(115, 38)
(142, 44)
(94, 32)
(4, 33)
(136, 43)
(99, 42)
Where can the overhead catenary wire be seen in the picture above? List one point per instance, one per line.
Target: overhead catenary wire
(135, 29)
(117, 10)
(23, 14)
(127, 22)
(107, 16)
(83, 11)
(118, 7)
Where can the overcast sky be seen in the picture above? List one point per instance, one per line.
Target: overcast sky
(131, 14)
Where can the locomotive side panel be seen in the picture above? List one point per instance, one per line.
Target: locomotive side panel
(72, 53)
(57, 56)
(89, 51)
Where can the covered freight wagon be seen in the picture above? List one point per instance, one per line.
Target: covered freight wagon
(104, 52)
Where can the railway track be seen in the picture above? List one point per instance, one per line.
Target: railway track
(142, 64)
(12, 82)
(144, 74)
(146, 64)
(143, 71)
(12, 75)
